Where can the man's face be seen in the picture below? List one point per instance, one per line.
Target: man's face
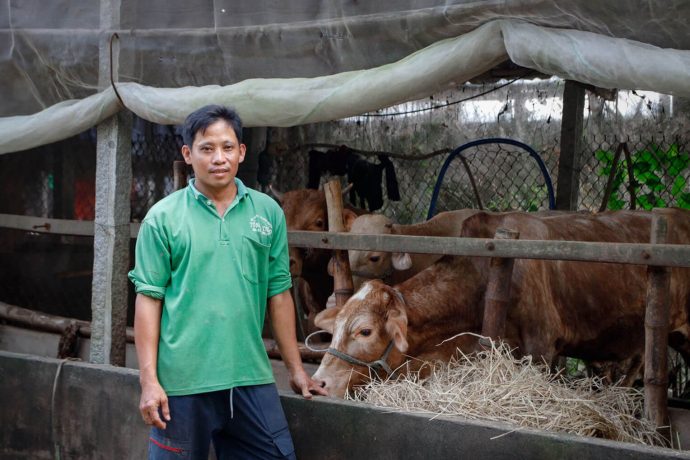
(215, 156)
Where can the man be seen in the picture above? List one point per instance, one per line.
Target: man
(208, 257)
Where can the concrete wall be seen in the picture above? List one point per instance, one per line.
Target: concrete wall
(96, 417)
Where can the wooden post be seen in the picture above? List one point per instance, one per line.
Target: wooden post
(656, 332)
(179, 174)
(342, 276)
(568, 181)
(498, 291)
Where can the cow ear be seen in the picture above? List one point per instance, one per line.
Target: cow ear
(349, 217)
(401, 260)
(326, 319)
(396, 324)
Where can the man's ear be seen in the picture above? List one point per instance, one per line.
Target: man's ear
(187, 154)
(243, 152)
(326, 319)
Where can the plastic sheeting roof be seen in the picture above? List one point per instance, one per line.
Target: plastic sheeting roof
(288, 63)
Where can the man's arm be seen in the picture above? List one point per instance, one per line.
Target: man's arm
(282, 314)
(147, 327)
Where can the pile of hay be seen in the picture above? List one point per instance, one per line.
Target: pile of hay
(493, 385)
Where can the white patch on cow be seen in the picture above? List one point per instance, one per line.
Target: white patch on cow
(338, 332)
(362, 293)
(339, 326)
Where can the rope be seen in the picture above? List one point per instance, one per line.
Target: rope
(112, 79)
(374, 365)
(53, 419)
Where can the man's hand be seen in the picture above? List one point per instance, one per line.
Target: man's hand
(302, 383)
(153, 397)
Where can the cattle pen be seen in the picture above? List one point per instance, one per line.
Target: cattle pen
(422, 105)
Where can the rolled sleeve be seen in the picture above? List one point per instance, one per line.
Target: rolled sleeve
(152, 267)
(279, 279)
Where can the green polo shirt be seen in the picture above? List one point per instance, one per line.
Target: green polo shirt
(214, 274)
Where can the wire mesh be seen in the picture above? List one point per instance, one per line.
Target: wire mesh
(52, 273)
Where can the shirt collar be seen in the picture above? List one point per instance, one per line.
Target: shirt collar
(241, 189)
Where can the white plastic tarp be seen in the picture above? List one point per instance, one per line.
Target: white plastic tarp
(593, 55)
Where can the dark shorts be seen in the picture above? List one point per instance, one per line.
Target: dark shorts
(242, 423)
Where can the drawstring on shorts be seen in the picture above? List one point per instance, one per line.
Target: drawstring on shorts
(231, 408)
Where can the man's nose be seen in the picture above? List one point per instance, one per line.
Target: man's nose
(218, 156)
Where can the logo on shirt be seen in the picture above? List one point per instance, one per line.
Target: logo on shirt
(261, 225)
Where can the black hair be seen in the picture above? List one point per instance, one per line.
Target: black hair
(204, 117)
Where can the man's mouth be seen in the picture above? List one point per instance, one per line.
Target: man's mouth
(219, 171)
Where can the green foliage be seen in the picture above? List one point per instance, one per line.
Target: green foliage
(657, 174)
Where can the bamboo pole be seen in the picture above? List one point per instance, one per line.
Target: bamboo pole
(34, 320)
(49, 323)
(656, 332)
(342, 276)
(498, 290)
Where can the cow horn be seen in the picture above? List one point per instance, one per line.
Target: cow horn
(276, 193)
(347, 189)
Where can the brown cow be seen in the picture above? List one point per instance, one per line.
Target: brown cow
(396, 267)
(593, 311)
(305, 210)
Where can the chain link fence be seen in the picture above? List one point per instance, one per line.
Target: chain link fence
(634, 150)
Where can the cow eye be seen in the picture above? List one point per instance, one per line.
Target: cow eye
(319, 223)
(374, 258)
(365, 332)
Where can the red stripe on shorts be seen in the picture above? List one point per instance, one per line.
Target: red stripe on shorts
(177, 450)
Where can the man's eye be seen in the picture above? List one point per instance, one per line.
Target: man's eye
(365, 332)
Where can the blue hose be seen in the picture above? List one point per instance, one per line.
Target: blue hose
(491, 140)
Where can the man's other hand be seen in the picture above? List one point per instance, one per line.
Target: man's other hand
(153, 397)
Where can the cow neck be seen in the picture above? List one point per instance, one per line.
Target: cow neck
(443, 300)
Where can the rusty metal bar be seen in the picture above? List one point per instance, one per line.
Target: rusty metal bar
(498, 290)
(342, 276)
(472, 182)
(612, 176)
(656, 333)
(631, 175)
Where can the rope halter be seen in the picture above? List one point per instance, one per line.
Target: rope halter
(378, 364)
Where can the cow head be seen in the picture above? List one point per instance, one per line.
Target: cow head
(375, 264)
(362, 329)
(305, 210)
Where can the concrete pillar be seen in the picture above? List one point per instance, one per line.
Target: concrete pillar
(111, 229)
(569, 163)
